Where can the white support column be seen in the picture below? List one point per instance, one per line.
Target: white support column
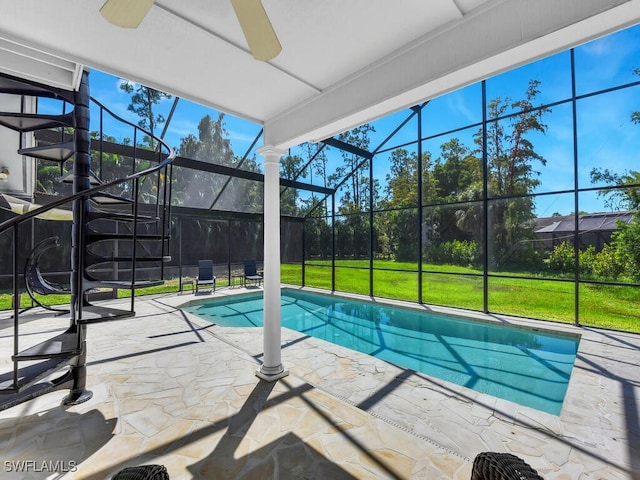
(271, 368)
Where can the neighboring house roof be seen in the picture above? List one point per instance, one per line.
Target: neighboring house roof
(605, 221)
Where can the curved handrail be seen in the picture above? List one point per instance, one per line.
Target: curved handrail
(137, 127)
(84, 193)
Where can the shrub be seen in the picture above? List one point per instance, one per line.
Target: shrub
(526, 258)
(455, 252)
(562, 259)
(608, 263)
(627, 242)
(587, 260)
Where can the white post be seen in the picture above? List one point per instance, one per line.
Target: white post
(271, 368)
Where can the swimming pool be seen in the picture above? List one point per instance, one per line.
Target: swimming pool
(523, 365)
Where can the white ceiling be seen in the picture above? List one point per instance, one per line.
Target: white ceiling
(344, 62)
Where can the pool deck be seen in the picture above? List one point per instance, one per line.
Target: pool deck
(171, 388)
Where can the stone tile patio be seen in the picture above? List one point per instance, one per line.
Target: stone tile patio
(176, 390)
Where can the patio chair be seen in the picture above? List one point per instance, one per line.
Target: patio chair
(251, 272)
(205, 275)
(501, 466)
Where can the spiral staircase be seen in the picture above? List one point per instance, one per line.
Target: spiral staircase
(120, 229)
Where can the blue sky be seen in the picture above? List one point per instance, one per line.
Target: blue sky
(606, 136)
(106, 89)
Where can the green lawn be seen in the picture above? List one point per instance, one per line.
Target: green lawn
(605, 306)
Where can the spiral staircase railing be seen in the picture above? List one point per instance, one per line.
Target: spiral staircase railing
(92, 200)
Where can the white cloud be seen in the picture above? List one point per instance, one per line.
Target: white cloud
(603, 46)
(182, 127)
(459, 104)
(242, 136)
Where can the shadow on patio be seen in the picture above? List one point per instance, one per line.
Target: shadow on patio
(189, 399)
(239, 449)
(283, 430)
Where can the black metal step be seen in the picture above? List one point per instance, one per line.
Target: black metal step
(11, 397)
(106, 198)
(92, 258)
(20, 86)
(93, 237)
(123, 217)
(91, 283)
(94, 181)
(63, 345)
(29, 122)
(98, 314)
(31, 374)
(15, 87)
(57, 152)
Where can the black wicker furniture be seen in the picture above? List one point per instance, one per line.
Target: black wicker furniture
(502, 466)
(142, 472)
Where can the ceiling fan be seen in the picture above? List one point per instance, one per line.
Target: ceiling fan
(253, 19)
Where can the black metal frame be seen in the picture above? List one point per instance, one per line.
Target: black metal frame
(367, 156)
(485, 200)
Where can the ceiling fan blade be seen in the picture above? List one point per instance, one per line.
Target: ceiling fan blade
(125, 13)
(257, 29)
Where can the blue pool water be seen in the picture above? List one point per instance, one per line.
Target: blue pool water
(522, 365)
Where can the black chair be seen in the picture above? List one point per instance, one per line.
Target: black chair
(251, 272)
(205, 275)
(502, 466)
(143, 472)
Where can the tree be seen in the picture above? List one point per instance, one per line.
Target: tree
(319, 165)
(625, 241)
(400, 223)
(214, 145)
(635, 115)
(318, 241)
(627, 196)
(457, 172)
(511, 156)
(352, 229)
(201, 189)
(510, 153)
(457, 176)
(318, 230)
(142, 104)
(356, 197)
(289, 169)
(188, 147)
(453, 177)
